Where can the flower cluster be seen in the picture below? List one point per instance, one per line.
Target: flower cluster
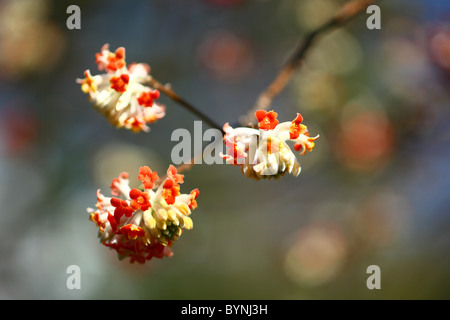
(263, 152)
(142, 223)
(120, 94)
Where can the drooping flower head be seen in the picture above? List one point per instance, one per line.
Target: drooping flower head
(120, 94)
(263, 152)
(142, 223)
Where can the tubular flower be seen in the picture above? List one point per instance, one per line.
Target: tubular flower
(144, 223)
(263, 152)
(120, 94)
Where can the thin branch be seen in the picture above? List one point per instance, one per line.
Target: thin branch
(172, 95)
(345, 14)
(175, 97)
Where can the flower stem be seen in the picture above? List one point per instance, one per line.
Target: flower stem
(345, 14)
(175, 97)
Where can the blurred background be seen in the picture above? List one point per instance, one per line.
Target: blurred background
(375, 191)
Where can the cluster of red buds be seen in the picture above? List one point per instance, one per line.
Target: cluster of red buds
(120, 93)
(263, 152)
(142, 223)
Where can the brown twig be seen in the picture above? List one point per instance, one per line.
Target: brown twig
(345, 14)
(167, 90)
(172, 95)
